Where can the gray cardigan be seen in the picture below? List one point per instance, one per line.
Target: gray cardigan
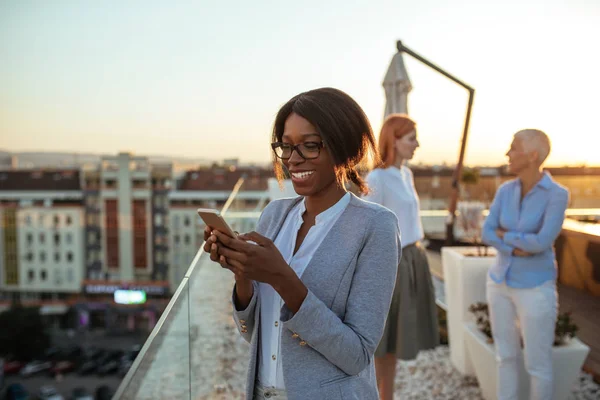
(327, 346)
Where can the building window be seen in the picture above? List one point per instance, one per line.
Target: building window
(176, 239)
(186, 221)
(42, 256)
(56, 257)
(57, 277)
(70, 257)
(41, 220)
(29, 256)
(186, 239)
(69, 238)
(43, 275)
(28, 220)
(69, 220)
(30, 275)
(158, 220)
(176, 221)
(56, 220)
(57, 239)
(29, 238)
(70, 275)
(91, 238)
(42, 238)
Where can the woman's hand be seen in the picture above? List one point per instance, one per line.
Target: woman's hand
(243, 286)
(500, 233)
(261, 262)
(521, 253)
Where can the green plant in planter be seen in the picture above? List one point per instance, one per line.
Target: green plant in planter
(565, 327)
(482, 317)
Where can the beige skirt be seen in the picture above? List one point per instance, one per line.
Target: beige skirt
(412, 323)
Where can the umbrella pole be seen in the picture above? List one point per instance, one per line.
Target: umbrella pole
(450, 221)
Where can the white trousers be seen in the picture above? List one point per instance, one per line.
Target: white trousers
(535, 311)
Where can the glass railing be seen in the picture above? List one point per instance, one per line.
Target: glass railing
(195, 352)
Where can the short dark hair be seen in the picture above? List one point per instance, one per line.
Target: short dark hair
(343, 126)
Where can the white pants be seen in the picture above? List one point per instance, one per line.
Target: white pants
(535, 310)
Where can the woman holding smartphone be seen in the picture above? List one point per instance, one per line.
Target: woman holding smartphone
(313, 290)
(412, 321)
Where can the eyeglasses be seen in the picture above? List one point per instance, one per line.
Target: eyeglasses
(306, 150)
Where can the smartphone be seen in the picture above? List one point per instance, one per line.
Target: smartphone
(215, 220)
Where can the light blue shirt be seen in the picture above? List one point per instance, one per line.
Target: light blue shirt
(532, 225)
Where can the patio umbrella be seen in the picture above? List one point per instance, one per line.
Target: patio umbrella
(396, 85)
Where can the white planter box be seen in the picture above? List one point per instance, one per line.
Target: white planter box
(464, 283)
(567, 361)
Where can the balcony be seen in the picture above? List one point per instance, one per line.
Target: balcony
(195, 351)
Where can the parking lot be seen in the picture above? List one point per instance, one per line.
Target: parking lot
(90, 360)
(65, 385)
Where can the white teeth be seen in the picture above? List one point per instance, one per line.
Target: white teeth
(302, 175)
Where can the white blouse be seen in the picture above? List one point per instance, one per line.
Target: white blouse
(270, 371)
(394, 188)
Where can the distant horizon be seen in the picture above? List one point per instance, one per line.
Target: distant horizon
(267, 162)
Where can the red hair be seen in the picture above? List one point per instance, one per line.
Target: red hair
(394, 127)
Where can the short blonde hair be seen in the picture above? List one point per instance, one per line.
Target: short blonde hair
(535, 140)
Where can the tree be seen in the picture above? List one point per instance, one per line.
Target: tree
(23, 334)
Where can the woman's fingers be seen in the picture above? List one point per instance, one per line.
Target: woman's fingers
(207, 231)
(232, 254)
(214, 252)
(232, 243)
(224, 264)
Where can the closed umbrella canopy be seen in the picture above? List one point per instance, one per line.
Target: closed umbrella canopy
(397, 86)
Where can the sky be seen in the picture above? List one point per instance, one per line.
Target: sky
(204, 79)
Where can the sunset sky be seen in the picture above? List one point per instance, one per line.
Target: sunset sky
(205, 79)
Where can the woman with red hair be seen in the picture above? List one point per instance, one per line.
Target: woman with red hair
(412, 320)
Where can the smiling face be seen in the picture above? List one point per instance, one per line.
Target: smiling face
(407, 145)
(309, 177)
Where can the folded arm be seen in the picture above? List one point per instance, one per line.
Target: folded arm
(491, 226)
(554, 216)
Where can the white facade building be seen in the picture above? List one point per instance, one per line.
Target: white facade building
(50, 249)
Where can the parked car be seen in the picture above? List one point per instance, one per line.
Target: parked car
(92, 353)
(62, 367)
(115, 355)
(124, 367)
(16, 391)
(71, 353)
(35, 367)
(104, 393)
(13, 367)
(109, 367)
(88, 367)
(49, 393)
(80, 393)
(52, 353)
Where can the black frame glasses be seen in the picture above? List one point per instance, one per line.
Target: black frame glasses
(280, 146)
